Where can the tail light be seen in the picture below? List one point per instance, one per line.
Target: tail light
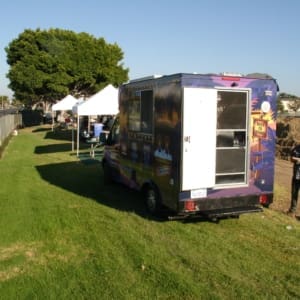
(263, 199)
(189, 205)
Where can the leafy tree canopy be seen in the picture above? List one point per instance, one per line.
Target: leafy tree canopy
(287, 96)
(46, 65)
(280, 106)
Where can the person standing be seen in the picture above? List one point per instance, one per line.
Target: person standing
(295, 158)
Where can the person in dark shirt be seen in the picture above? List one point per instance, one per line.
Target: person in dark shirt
(295, 158)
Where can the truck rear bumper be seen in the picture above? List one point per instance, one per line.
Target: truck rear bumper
(224, 207)
(231, 212)
(217, 214)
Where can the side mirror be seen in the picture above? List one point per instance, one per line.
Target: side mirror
(103, 137)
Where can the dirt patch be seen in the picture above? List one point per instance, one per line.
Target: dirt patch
(16, 249)
(18, 259)
(14, 259)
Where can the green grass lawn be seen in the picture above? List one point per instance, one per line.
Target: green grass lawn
(65, 235)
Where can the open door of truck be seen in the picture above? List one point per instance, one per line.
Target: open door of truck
(199, 138)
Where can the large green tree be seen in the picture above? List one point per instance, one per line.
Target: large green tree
(46, 65)
(4, 101)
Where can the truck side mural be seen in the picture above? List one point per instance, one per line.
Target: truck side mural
(196, 144)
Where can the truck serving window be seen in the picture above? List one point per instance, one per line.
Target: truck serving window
(134, 114)
(140, 117)
(147, 111)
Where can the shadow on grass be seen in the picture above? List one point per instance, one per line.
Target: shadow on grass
(87, 180)
(87, 159)
(61, 135)
(53, 148)
(40, 129)
(66, 135)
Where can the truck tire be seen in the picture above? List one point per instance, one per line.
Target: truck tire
(152, 199)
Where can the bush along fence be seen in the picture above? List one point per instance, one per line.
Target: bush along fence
(288, 136)
(9, 121)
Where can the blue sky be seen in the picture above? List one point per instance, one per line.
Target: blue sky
(173, 36)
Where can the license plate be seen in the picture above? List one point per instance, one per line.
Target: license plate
(199, 193)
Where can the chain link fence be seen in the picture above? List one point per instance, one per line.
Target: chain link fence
(10, 119)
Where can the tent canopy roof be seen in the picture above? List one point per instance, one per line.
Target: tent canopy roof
(66, 103)
(105, 102)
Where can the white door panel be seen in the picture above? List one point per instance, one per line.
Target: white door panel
(199, 138)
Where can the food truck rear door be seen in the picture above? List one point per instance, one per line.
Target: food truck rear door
(199, 138)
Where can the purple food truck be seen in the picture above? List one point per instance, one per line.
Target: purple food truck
(196, 144)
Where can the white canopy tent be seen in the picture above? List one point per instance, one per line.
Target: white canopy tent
(105, 102)
(67, 103)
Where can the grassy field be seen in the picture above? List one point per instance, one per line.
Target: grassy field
(65, 235)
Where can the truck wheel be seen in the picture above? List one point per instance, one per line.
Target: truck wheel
(152, 198)
(106, 174)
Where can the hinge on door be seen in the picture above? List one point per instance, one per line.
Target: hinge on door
(187, 139)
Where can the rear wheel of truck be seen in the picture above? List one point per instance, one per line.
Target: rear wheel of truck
(152, 199)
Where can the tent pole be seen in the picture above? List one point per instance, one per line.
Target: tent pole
(52, 120)
(73, 137)
(77, 135)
